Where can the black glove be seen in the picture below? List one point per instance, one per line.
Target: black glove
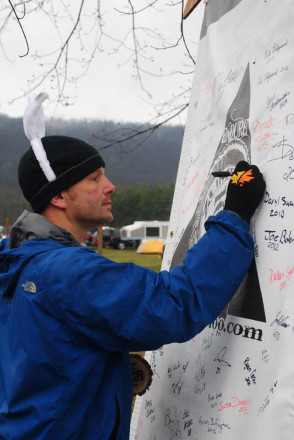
(245, 190)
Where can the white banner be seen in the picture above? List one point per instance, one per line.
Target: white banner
(235, 380)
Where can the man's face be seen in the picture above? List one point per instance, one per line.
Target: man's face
(89, 201)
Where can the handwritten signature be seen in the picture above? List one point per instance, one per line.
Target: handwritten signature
(220, 357)
(281, 320)
(242, 405)
(224, 78)
(285, 150)
(200, 370)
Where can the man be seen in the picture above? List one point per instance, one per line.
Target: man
(69, 317)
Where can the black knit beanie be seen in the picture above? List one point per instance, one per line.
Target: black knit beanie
(70, 159)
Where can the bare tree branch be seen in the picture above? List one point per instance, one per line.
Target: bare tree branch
(140, 10)
(127, 134)
(18, 18)
(141, 45)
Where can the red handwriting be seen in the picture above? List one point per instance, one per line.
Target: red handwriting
(206, 89)
(282, 276)
(242, 405)
(211, 138)
(192, 181)
(193, 199)
(263, 133)
(275, 276)
(191, 202)
(258, 126)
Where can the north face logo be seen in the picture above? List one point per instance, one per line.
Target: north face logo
(29, 286)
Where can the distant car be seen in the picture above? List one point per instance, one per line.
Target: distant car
(107, 232)
(111, 238)
(118, 243)
(91, 238)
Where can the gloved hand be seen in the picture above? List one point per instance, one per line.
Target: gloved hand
(245, 190)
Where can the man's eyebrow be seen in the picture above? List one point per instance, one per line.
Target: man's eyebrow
(94, 174)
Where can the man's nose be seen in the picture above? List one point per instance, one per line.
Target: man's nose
(109, 187)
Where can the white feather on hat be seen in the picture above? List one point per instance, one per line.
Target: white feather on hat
(34, 128)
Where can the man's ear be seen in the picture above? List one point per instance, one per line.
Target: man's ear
(59, 201)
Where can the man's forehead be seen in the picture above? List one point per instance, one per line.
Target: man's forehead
(97, 172)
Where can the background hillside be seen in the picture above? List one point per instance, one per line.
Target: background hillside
(154, 162)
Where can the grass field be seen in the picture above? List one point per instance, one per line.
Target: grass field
(129, 255)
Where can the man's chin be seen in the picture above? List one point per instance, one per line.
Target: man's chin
(103, 221)
(109, 219)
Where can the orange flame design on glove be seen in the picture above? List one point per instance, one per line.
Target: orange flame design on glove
(241, 177)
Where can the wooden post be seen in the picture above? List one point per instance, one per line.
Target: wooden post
(7, 226)
(100, 240)
(190, 6)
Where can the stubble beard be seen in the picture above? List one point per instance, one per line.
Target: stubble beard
(93, 220)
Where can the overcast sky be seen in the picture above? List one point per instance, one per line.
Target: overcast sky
(109, 89)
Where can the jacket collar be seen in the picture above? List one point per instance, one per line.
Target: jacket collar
(31, 225)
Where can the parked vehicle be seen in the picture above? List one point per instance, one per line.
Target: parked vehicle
(132, 235)
(140, 230)
(107, 232)
(117, 242)
(129, 236)
(91, 238)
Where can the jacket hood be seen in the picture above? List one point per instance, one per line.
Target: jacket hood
(29, 226)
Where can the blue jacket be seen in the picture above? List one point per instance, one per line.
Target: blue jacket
(69, 318)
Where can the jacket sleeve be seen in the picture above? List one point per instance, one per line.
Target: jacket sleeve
(4, 244)
(121, 306)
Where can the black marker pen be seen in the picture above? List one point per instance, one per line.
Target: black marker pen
(221, 173)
